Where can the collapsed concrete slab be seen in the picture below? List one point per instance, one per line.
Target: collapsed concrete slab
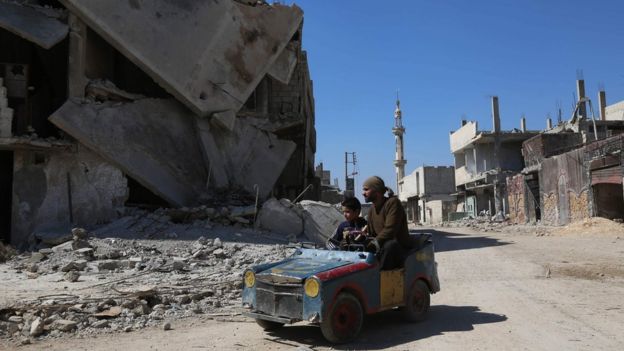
(320, 220)
(285, 64)
(152, 140)
(246, 157)
(316, 220)
(208, 54)
(32, 24)
(280, 216)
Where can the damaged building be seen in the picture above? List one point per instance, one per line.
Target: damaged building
(330, 193)
(483, 159)
(573, 170)
(426, 194)
(167, 103)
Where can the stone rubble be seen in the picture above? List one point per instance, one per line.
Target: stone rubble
(131, 273)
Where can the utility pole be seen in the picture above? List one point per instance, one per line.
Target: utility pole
(350, 177)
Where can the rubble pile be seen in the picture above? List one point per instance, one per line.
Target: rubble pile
(481, 223)
(6, 252)
(95, 285)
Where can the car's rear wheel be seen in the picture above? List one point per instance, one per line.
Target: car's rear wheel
(269, 325)
(344, 320)
(417, 302)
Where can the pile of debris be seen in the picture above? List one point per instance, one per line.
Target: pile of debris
(149, 268)
(107, 285)
(481, 223)
(6, 252)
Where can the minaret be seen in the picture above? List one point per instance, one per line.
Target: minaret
(398, 130)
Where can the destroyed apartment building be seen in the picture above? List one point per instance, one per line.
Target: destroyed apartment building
(104, 104)
(426, 194)
(574, 169)
(483, 160)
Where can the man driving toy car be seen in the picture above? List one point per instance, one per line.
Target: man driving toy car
(387, 222)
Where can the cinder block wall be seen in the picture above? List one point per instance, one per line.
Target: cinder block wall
(516, 199)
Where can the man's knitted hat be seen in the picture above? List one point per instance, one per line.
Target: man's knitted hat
(375, 183)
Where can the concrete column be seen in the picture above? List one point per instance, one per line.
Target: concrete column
(77, 57)
(548, 123)
(495, 115)
(580, 89)
(497, 145)
(602, 103)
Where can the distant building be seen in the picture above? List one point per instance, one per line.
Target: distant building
(573, 170)
(426, 193)
(482, 161)
(330, 193)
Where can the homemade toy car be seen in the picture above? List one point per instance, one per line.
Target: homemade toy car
(336, 288)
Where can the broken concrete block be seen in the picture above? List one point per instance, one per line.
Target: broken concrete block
(110, 265)
(64, 325)
(100, 324)
(77, 265)
(86, 252)
(65, 247)
(79, 233)
(78, 244)
(280, 217)
(244, 211)
(53, 237)
(320, 220)
(16, 319)
(71, 276)
(36, 327)
(219, 253)
(36, 257)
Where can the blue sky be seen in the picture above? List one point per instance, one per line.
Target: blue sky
(447, 58)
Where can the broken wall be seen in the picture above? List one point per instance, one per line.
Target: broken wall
(36, 82)
(564, 186)
(54, 188)
(516, 199)
(510, 156)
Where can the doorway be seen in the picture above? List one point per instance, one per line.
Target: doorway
(609, 200)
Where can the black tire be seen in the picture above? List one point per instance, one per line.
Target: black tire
(417, 302)
(269, 325)
(344, 321)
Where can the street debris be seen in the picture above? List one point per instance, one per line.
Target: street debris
(131, 273)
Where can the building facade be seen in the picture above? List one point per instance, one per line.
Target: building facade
(426, 194)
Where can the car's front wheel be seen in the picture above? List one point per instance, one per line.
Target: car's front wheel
(269, 325)
(344, 320)
(417, 302)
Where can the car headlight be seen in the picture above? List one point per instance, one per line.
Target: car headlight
(312, 287)
(250, 279)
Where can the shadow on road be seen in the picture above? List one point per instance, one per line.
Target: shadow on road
(445, 241)
(387, 329)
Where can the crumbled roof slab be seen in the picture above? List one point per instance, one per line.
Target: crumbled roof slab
(152, 140)
(32, 25)
(247, 156)
(210, 55)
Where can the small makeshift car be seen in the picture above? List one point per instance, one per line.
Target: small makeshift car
(336, 288)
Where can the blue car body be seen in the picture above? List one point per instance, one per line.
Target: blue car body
(278, 293)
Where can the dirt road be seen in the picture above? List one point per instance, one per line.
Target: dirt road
(500, 291)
